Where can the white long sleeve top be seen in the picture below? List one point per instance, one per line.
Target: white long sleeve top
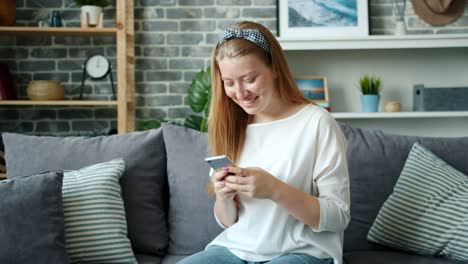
(308, 151)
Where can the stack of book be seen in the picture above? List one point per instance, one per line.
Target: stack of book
(7, 90)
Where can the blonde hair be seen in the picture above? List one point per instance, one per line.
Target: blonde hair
(228, 121)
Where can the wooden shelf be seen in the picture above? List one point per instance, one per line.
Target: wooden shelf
(380, 115)
(378, 42)
(124, 34)
(62, 102)
(2, 175)
(66, 31)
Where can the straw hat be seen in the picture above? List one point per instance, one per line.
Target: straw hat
(439, 12)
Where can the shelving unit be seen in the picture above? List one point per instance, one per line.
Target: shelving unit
(66, 31)
(400, 115)
(378, 42)
(438, 60)
(124, 34)
(60, 102)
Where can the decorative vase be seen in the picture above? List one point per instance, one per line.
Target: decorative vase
(370, 102)
(45, 90)
(56, 20)
(392, 106)
(400, 27)
(91, 16)
(8, 13)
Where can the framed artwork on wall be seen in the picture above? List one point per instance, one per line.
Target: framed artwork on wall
(314, 88)
(315, 19)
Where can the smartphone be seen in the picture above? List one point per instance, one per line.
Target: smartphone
(218, 162)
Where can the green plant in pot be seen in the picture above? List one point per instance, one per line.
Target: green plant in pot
(91, 12)
(370, 87)
(199, 98)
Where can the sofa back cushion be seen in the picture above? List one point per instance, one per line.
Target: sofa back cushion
(375, 161)
(31, 220)
(143, 182)
(191, 219)
(95, 224)
(427, 213)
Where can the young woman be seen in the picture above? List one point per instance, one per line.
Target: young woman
(287, 198)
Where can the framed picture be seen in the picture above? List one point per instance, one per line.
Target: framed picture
(314, 88)
(313, 19)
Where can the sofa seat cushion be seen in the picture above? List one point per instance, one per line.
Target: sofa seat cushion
(191, 219)
(390, 257)
(143, 182)
(148, 259)
(375, 161)
(427, 213)
(31, 220)
(173, 259)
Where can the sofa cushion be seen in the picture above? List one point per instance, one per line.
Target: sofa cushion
(427, 213)
(191, 219)
(143, 183)
(31, 220)
(173, 259)
(375, 161)
(95, 224)
(390, 257)
(148, 259)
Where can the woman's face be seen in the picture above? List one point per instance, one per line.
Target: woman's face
(249, 83)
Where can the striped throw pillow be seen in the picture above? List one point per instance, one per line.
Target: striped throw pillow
(95, 223)
(427, 213)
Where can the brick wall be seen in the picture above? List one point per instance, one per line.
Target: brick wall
(173, 42)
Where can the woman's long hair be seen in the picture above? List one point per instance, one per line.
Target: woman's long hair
(227, 122)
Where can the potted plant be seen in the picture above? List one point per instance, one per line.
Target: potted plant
(370, 88)
(91, 12)
(199, 99)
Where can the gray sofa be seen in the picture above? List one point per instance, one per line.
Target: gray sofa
(169, 215)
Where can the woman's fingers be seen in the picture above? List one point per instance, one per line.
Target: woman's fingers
(221, 187)
(231, 170)
(239, 187)
(237, 179)
(237, 171)
(219, 175)
(253, 182)
(226, 191)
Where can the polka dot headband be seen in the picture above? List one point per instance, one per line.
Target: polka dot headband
(252, 35)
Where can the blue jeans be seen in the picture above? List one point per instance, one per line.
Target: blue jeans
(217, 255)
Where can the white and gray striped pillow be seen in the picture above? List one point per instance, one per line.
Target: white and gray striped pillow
(95, 223)
(427, 213)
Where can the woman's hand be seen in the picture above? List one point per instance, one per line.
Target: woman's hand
(253, 182)
(222, 191)
(258, 183)
(226, 205)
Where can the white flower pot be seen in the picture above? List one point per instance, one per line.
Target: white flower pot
(400, 28)
(90, 15)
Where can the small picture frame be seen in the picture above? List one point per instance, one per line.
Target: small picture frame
(314, 88)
